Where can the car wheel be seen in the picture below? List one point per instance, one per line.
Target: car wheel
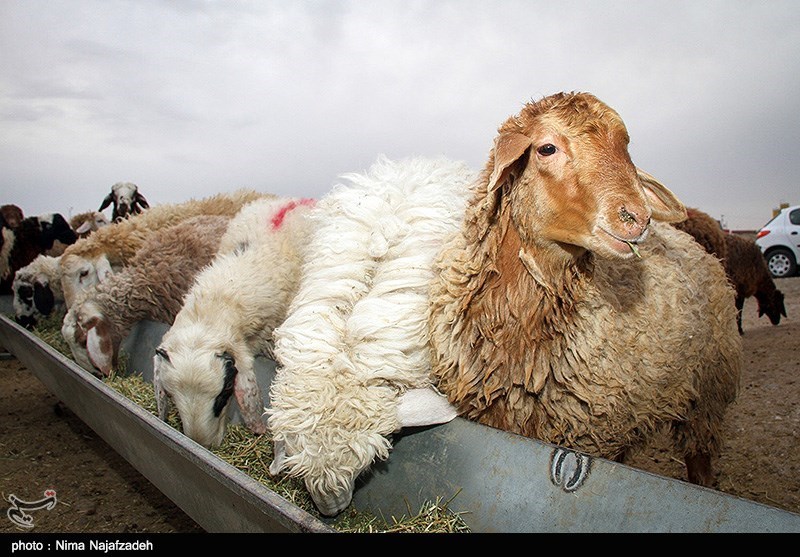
(781, 263)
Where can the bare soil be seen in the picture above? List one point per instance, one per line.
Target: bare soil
(44, 446)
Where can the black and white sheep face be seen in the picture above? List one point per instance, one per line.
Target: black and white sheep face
(126, 201)
(33, 298)
(201, 385)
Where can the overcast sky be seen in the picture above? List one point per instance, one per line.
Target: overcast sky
(189, 99)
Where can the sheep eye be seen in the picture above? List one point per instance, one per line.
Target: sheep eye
(84, 273)
(546, 150)
(162, 353)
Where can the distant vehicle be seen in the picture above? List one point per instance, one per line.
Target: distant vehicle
(779, 241)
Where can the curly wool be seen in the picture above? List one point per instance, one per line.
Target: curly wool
(232, 308)
(355, 337)
(151, 287)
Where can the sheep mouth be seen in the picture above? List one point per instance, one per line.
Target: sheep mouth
(620, 246)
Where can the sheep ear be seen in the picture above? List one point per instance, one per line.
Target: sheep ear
(107, 201)
(664, 204)
(99, 344)
(162, 400)
(248, 395)
(420, 407)
(279, 457)
(43, 298)
(141, 201)
(103, 269)
(508, 148)
(83, 228)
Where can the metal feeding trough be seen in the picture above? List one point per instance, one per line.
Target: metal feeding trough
(499, 482)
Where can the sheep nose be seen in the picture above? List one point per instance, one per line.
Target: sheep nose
(632, 220)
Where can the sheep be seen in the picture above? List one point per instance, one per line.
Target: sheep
(352, 355)
(33, 236)
(93, 259)
(545, 323)
(125, 199)
(227, 320)
(748, 271)
(11, 215)
(706, 231)
(152, 287)
(37, 291)
(85, 223)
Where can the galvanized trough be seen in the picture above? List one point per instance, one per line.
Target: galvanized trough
(500, 482)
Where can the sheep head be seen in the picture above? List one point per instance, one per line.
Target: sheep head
(79, 273)
(772, 305)
(201, 374)
(37, 290)
(126, 201)
(563, 165)
(88, 223)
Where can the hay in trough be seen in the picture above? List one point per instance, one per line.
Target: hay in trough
(252, 454)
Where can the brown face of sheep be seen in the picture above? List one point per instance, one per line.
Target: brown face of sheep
(565, 165)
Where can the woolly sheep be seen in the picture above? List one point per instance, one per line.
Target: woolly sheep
(85, 223)
(151, 287)
(125, 199)
(227, 320)
(706, 231)
(748, 271)
(91, 260)
(545, 323)
(33, 236)
(353, 354)
(37, 290)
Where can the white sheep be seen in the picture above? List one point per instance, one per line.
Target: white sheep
(151, 287)
(567, 310)
(227, 320)
(353, 354)
(125, 199)
(90, 260)
(37, 290)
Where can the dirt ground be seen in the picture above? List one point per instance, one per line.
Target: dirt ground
(44, 446)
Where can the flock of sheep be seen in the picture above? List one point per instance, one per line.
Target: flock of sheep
(560, 293)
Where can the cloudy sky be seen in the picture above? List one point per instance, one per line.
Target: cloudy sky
(192, 98)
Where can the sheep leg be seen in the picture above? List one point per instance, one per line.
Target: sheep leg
(739, 308)
(698, 469)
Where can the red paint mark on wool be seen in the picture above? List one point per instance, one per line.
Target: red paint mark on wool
(280, 216)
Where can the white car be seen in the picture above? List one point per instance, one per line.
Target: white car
(779, 241)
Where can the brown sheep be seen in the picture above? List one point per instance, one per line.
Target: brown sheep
(747, 270)
(564, 311)
(11, 215)
(706, 231)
